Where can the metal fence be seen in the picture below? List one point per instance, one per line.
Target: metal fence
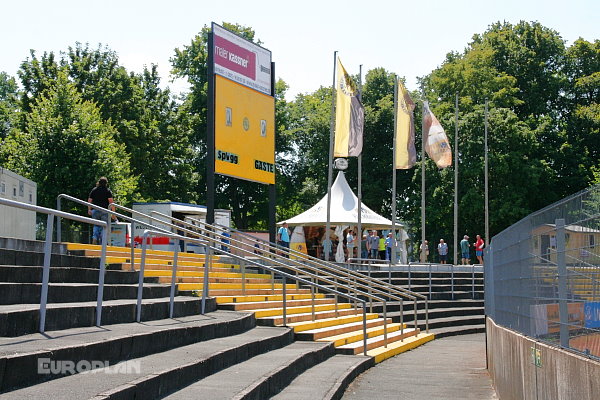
(542, 274)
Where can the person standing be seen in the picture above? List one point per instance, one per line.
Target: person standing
(464, 250)
(389, 242)
(373, 243)
(100, 196)
(283, 236)
(364, 253)
(425, 249)
(443, 251)
(479, 243)
(350, 241)
(381, 247)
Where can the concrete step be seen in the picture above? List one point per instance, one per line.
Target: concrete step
(302, 326)
(235, 286)
(30, 293)
(327, 380)
(19, 356)
(200, 275)
(319, 333)
(357, 335)
(33, 274)
(256, 305)
(455, 322)
(291, 319)
(383, 353)
(457, 330)
(290, 311)
(32, 258)
(155, 375)
(23, 319)
(167, 268)
(237, 293)
(259, 377)
(374, 342)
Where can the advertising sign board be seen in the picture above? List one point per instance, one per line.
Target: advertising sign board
(244, 132)
(241, 61)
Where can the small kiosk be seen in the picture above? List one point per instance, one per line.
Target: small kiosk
(190, 213)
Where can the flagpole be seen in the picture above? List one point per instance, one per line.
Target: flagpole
(487, 214)
(393, 244)
(329, 165)
(423, 254)
(456, 180)
(359, 227)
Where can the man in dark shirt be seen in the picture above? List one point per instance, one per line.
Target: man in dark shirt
(100, 196)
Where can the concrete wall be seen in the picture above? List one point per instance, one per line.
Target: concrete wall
(562, 374)
(15, 222)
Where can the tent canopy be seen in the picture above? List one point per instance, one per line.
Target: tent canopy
(344, 210)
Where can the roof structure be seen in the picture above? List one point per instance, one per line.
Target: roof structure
(344, 210)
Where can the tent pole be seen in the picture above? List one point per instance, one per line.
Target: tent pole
(393, 248)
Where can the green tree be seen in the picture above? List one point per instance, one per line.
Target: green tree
(8, 103)
(66, 146)
(144, 115)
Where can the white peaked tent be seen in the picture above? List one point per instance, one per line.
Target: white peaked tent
(344, 210)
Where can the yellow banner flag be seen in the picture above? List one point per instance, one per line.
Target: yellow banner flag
(349, 116)
(406, 155)
(436, 141)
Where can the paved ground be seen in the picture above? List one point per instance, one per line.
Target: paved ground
(447, 368)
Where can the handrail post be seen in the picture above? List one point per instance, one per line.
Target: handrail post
(58, 222)
(335, 287)
(365, 328)
(173, 280)
(473, 280)
(132, 240)
(207, 266)
(284, 302)
(430, 281)
(141, 278)
(101, 274)
(272, 282)
(426, 316)
(46, 271)
(452, 280)
(402, 319)
(385, 336)
(243, 268)
(312, 297)
(416, 312)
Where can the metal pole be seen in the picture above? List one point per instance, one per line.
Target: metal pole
(46, 271)
(365, 328)
(58, 222)
(455, 256)
(210, 135)
(272, 187)
(284, 302)
(327, 240)
(487, 209)
(562, 283)
(359, 227)
(393, 243)
(207, 266)
(132, 238)
(141, 279)
(101, 274)
(423, 253)
(173, 280)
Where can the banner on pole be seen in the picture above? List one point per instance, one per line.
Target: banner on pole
(406, 155)
(435, 139)
(349, 116)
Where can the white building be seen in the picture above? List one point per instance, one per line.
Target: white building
(15, 222)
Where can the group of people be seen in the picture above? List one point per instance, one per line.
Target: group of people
(375, 246)
(465, 250)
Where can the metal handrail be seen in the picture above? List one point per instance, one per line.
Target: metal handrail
(285, 265)
(321, 264)
(271, 269)
(48, 254)
(318, 265)
(110, 212)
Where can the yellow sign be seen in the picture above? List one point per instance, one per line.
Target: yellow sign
(244, 132)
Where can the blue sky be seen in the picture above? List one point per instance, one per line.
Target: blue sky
(407, 37)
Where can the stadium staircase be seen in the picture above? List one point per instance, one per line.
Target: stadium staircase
(244, 346)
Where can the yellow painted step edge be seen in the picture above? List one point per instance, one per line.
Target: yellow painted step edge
(382, 353)
(272, 312)
(327, 322)
(259, 298)
(355, 336)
